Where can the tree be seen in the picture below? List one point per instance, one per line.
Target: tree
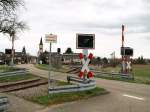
(98, 60)
(12, 28)
(141, 60)
(68, 51)
(8, 21)
(7, 11)
(105, 60)
(8, 7)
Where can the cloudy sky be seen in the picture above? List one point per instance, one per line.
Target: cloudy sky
(65, 18)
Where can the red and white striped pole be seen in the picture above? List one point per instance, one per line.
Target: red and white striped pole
(123, 57)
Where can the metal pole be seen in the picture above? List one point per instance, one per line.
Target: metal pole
(12, 52)
(85, 53)
(49, 74)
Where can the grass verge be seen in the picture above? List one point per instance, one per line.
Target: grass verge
(117, 78)
(67, 97)
(5, 68)
(16, 78)
(63, 69)
(141, 74)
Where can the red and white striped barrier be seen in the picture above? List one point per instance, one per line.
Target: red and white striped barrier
(85, 65)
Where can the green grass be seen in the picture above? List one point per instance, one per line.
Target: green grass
(62, 83)
(111, 69)
(63, 69)
(42, 66)
(67, 97)
(16, 78)
(5, 68)
(118, 79)
(141, 74)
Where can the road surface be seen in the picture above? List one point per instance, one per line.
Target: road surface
(123, 97)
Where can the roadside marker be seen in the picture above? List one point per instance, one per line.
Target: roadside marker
(134, 97)
(85, 65)
(129, 65)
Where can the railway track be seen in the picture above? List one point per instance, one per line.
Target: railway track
(74, 70)
(15, 86)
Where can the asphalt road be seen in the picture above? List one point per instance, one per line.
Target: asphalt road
(123, 97)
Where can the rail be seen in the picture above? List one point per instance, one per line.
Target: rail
(17, 72)
(113, 75)
(82, 86)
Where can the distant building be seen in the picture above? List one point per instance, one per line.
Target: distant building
(72, 58)
(19, 57)
(56, 57)
(32, 59)
(40, 47)
(43, 57)
(2, 58)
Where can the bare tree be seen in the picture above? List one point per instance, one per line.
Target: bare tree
(7, 11)
(9, 23)
(9, 6)
(12, 28)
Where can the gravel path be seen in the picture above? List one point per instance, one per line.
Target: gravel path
(20, 105)
(30, 92)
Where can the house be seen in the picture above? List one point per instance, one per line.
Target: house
(72, 58)
(19, 57)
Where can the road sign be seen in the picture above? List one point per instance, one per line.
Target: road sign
(85, 65)
(50, 38)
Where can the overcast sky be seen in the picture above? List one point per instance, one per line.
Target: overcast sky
(65, 18)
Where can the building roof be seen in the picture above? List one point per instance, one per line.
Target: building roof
(18, 53)
(41, 42)
(52, 53)
(71, 54)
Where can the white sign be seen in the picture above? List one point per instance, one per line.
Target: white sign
(129, 65)
(50, 38)
(85, 65)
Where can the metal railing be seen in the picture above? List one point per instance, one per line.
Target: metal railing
(81, 86)
(4, 103)
(113, 75)
(77, 79)
(17, 72)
